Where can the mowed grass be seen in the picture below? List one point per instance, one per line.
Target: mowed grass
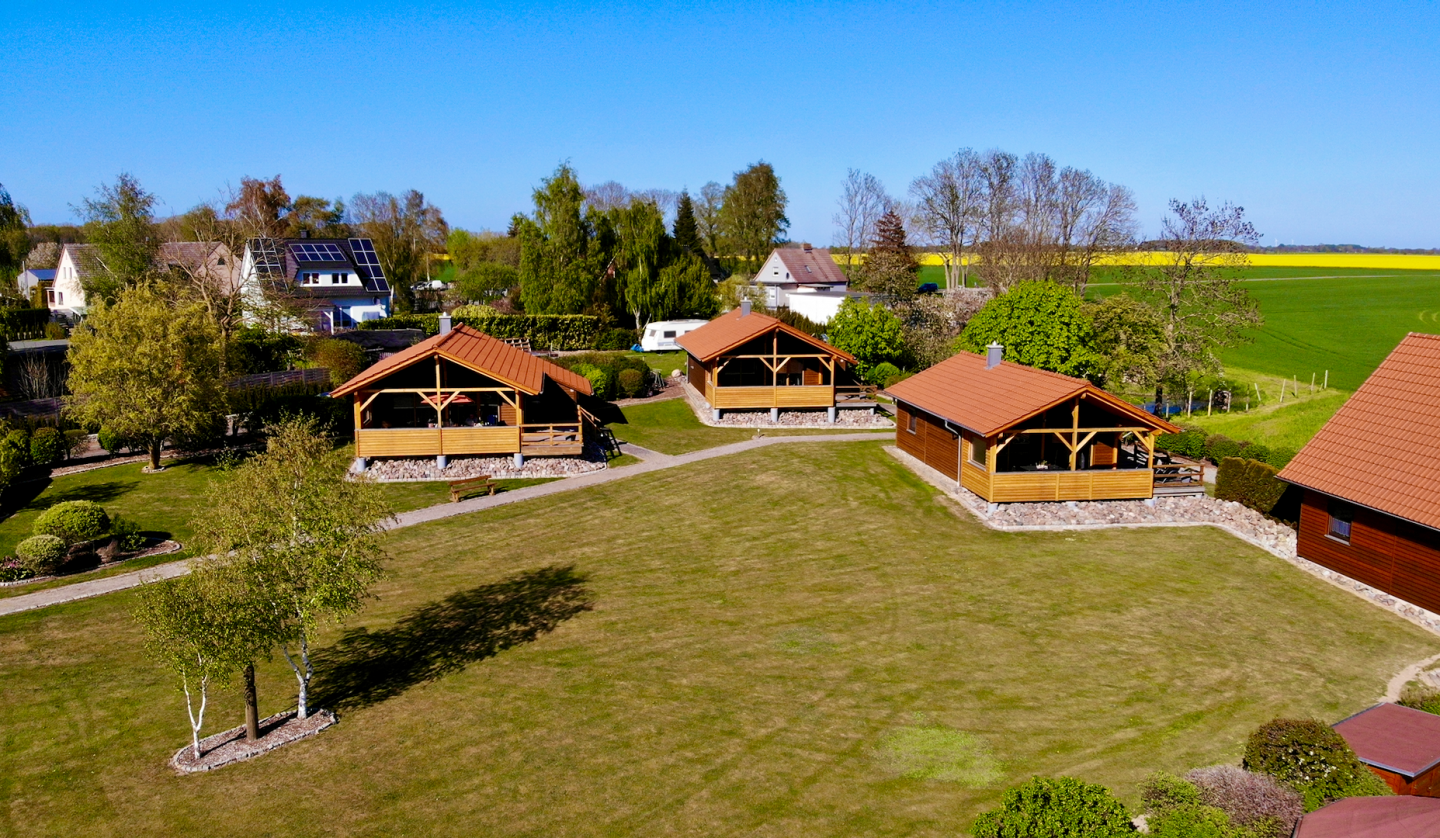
(1289, 425)
(762, 664)
(671, 427)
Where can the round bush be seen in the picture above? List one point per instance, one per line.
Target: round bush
(1047, 807)
(599, 379)
(882, 373)
(20, 441)
(1310, 757)
(13, 459)
(111, 441)
(632, 383)
(73, 521)
(1192, 821)
(47, 446)
(1253, 801)
(345, 359)
(40, 554)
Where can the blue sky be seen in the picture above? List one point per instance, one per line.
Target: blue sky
(1322, 121)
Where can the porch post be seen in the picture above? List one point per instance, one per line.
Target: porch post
(831, 412)
(774, 414)
(1075, 434)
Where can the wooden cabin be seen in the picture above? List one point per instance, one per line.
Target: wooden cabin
(744, 360)
(463, 392)
(1012, 433)
(1370, 508)
(1400, 744)
(1373, 817)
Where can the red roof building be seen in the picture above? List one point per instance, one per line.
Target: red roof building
(1400, 744)
(1010, 433)
(1370, 508)
(1373, 817)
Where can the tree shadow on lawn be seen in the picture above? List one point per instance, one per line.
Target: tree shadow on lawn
(366, 667)
(26, 496)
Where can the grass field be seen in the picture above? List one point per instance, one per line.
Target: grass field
(752, 663)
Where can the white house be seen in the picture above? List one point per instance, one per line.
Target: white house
(337, 282)
(210, 261)
(804, 279)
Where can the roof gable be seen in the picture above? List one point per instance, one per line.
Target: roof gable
(477, 351)
(989, 400)
(810, 267)
(1381, 449)
(734, 327)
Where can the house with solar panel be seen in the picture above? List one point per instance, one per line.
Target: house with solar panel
(327, 285)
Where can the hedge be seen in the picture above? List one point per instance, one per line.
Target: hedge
(23, 323)
(1254, 484)
(544, 331)
(1193, 443)
(1059, 806)
(47, 446)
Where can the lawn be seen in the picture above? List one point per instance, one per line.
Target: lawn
(664, 363)
(1287, 426)
(670, 427)
(753, 662)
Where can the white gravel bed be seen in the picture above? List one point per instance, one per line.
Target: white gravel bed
(459, 468)
(1240, 521)
(230, 746)
(864, 417)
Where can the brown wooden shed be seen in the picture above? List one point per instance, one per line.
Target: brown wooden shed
(1370, 508)
(1011, 433)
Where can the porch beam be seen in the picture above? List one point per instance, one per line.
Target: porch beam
(1137, 429)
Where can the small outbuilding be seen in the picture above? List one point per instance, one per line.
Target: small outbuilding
(1012, 433)
(744, 360)
(1401, 744)
(463, 392)
(1373, 817)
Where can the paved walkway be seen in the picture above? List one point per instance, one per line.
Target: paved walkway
(651, 461)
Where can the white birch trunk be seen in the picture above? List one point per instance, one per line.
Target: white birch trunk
(197, 719)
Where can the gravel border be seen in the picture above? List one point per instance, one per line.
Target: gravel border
(879, 421)
(1243, 523)
(227, 747)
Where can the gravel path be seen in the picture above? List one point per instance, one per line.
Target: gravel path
(651, 461)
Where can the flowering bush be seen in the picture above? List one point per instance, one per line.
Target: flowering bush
(13, 570)
(1311, 758)
(1254, 801)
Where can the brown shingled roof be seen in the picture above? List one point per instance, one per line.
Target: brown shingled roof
(1381, 449)
(1403, 816)
(987, 401)
(811, 267)
(731, 329)
(479, 352)
(1399, 739)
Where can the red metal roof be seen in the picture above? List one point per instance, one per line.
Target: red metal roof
(479, 352)
(731, 329)
(987, 401)
(1381, 449)
(1399, 739)
(1374, 817)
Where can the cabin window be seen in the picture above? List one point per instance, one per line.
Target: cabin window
(910, 423)
(978, 447)
(309, 278)
(652, 333)
(1342, 515)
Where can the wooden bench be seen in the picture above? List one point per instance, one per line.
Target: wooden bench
(471, 485)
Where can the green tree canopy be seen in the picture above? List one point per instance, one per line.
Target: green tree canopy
(752, 213)
(560, 262)
(147, 369)
(14, 241)
(872, 333)
(1040, 324)
(687, 229)
(1129, 337)
(120, 222)
(405, 230)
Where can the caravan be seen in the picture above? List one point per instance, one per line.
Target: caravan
(660, 336)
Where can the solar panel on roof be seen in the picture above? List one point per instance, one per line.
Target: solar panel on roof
(317, 252)
(366, 257)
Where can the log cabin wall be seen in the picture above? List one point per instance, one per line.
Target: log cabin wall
(1424, 785)
(697, 374)
(930, 443)
(1393, 555)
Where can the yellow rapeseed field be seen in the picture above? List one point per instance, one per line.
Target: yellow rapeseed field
(1364, 261)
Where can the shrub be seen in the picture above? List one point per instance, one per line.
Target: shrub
(599, 379)
(1253, 801)
(618, 339)
(1420, 697)
(113, 442)
(126, 534)
(77, 442)
(1187, 443)
(881, 373)
(13, 570)
(1219, 446)
(20, 441)
(333, 415)
(73, 521)
(1164, 790)
(54, 331)
(544, 331)
(345, 359)
(1193, 821)
(1052, 807)
(13, 458)
(1249, 482)
(632, 383)
(1280, 457)
(40, 554)
(47, 446)
(1311, 758)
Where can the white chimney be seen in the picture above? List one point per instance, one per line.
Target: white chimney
(993, 354)
(444, 324)
(744, 307)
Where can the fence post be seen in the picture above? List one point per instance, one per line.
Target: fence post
(1326, 385)
(1210, 401)
(1312, 383)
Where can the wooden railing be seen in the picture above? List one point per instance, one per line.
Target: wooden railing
(798, 396)
(563, 435)
(855, 391)
(1060, 484)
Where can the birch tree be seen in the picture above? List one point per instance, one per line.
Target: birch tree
(298, 538)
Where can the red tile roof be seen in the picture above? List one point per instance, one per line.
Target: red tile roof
(987, 401)
(1374, 817)
(731, 329)
(1381, 449)
(810, 267)
(479, 352)
(1398, 739)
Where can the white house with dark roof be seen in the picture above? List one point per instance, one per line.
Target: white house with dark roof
(337, 282)
(804, 279)
(211, 261)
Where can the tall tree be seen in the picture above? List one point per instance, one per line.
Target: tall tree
(405, 230)
(891, 269)
(862, 202)
(707, 216)
(1040, 324)
(752, 214)
(258, 205)
(1129, 339)
(14, 241)
(872, 333)
(120, 222)
(1202, 309)
(948, 205)
(1093, 219)
(559, 262)
(317, 218)
(686, 230)
(641, 242)
(147, 369)
(298, 538)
